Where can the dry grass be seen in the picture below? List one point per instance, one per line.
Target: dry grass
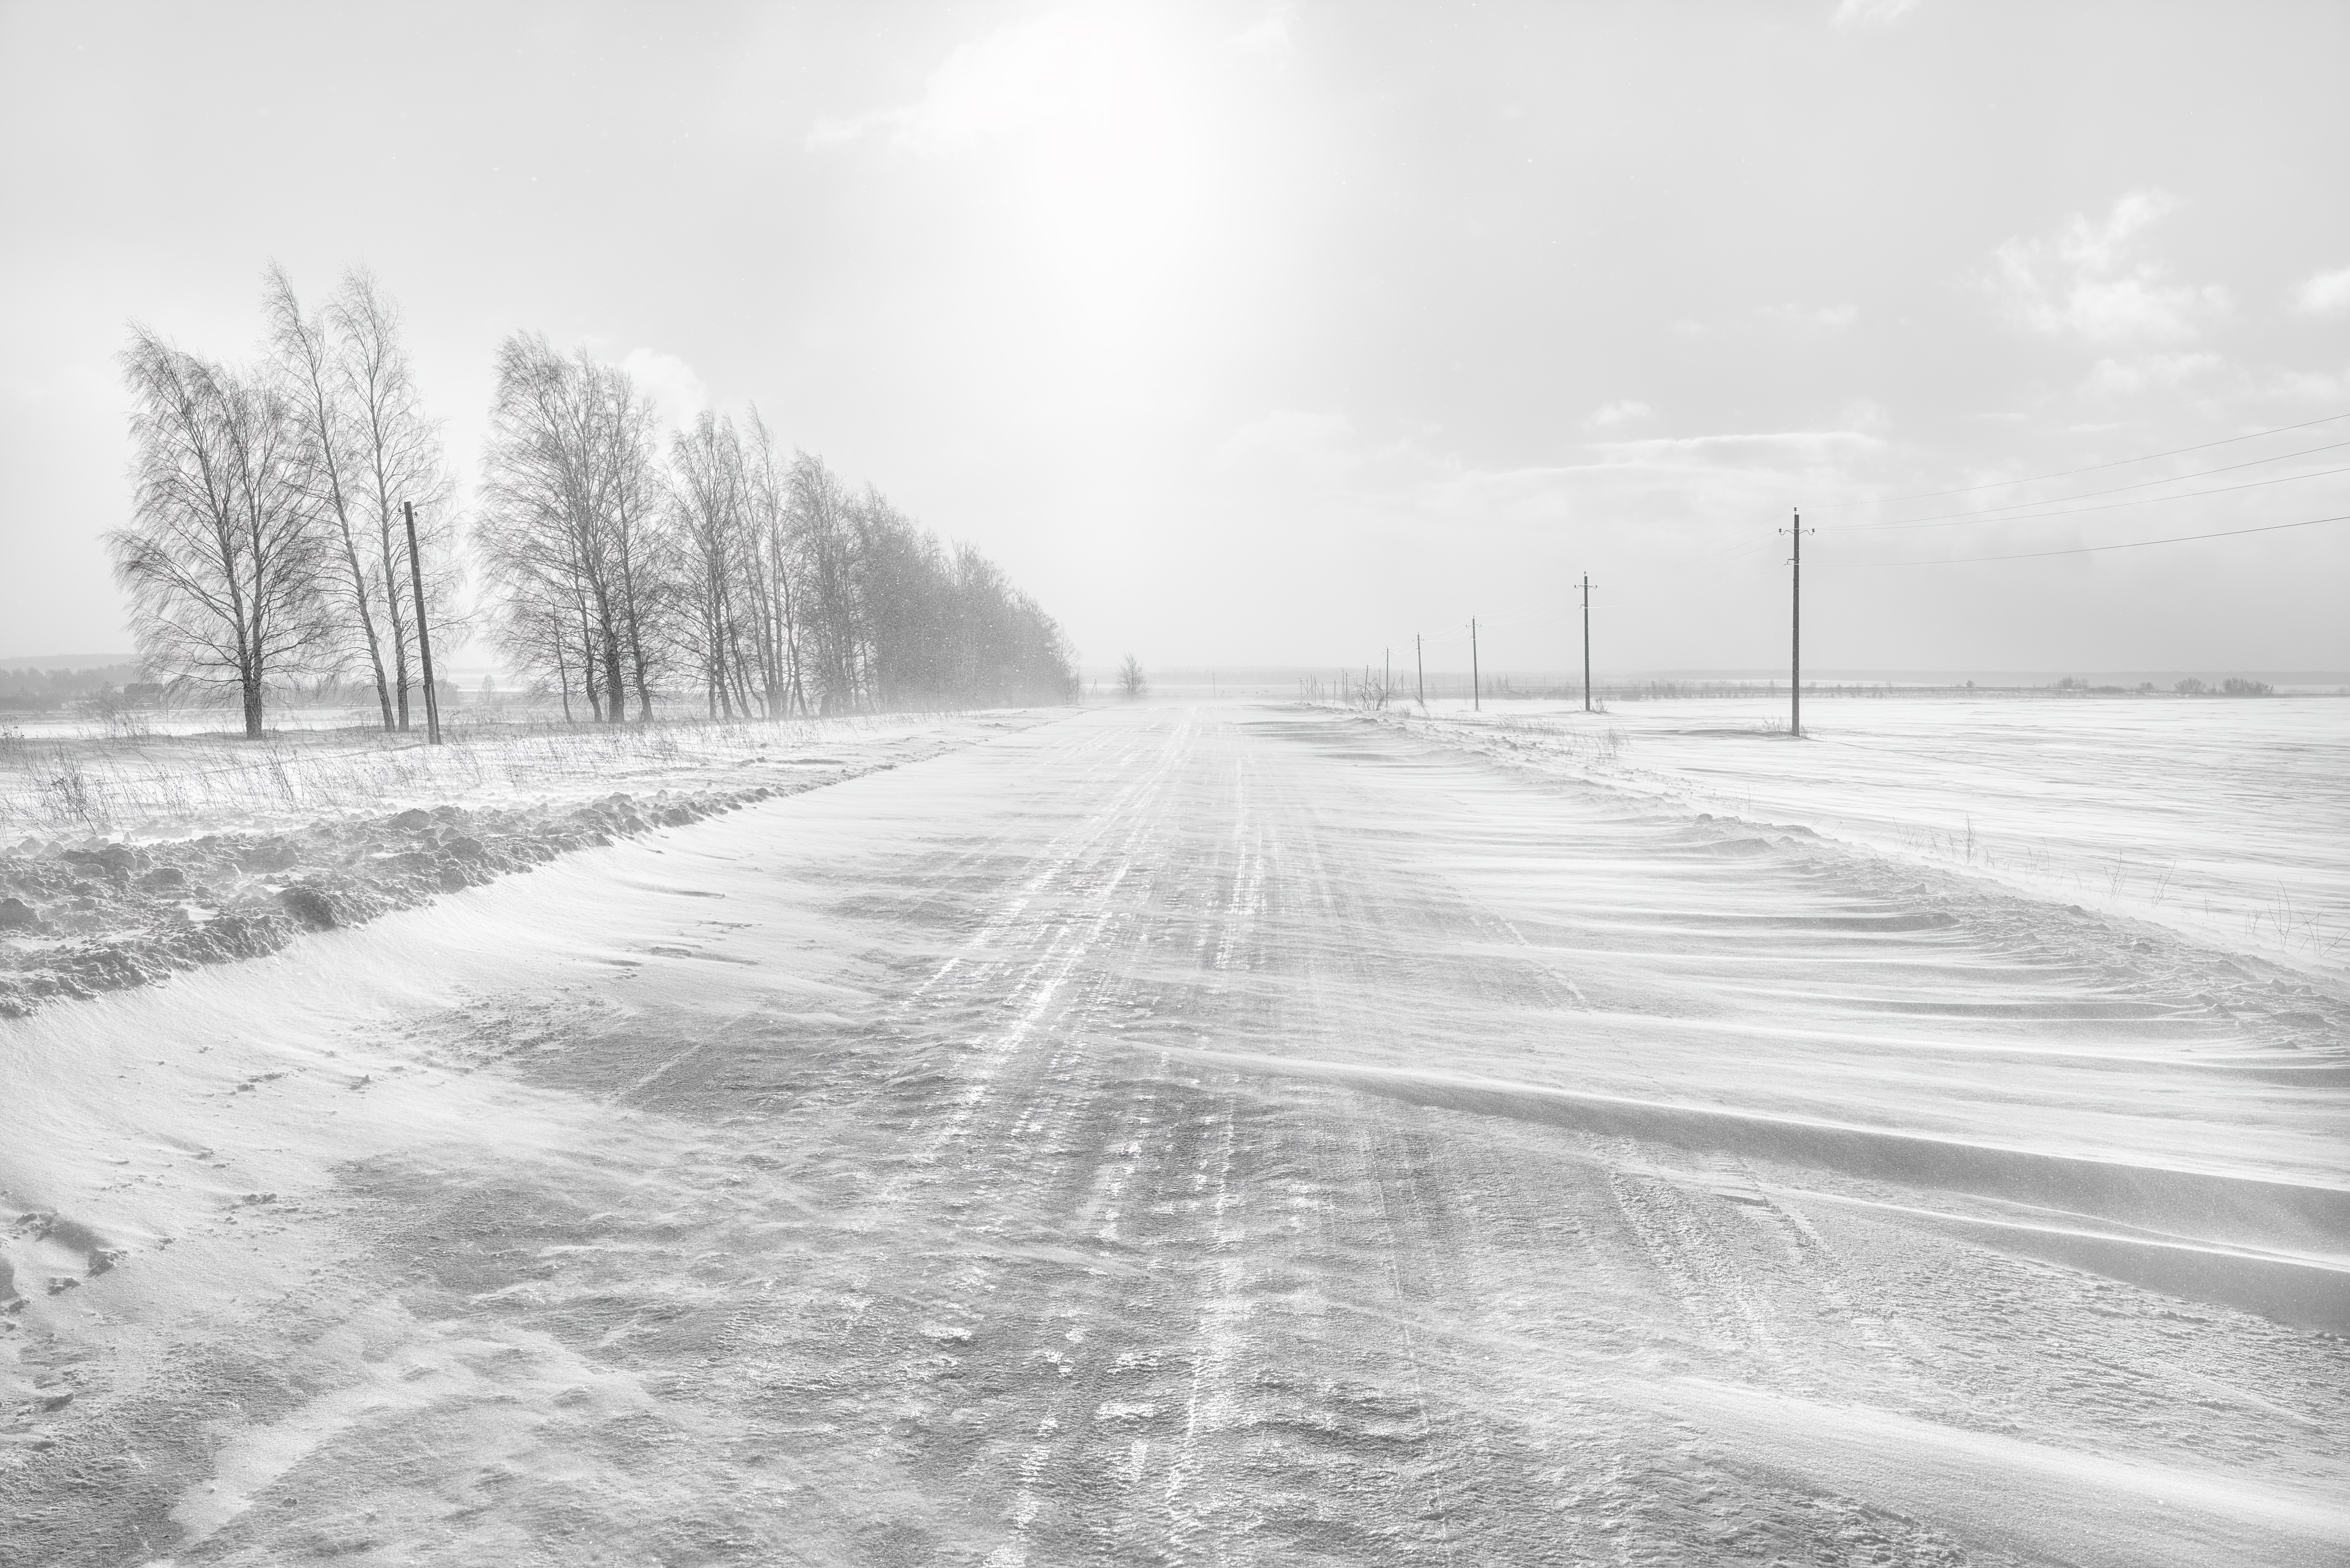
(148, 785)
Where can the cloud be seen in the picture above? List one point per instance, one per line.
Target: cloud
(1834, 317)
(2324, 293)
(1015, 75)
(1766, 447)
(2147, 372)
(2088, 282)
(1319, 446)
(1736, 479)
(1326, 474)
(2321, 389)
(1268, 35)
(1623, 412)
(676, 391)
(1861, 12)
(1864, 415)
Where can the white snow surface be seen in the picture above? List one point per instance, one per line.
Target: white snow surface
(1190, 1133)
(58, 787)
(2228, 820)
(215, 848)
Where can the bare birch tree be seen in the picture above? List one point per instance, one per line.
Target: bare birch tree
(570, 521)
(773, 588)
(825, 547)
(631, 531)
(537, 506)
(371, 450)
(713, 581)
(769, 563)
(312, 378)
(395, 457)
(224, 557)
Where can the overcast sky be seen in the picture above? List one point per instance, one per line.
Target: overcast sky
(1242, 332)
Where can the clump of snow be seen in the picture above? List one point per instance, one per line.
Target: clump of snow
(83, 920)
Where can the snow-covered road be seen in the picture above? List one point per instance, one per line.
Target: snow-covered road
(1189, 1134)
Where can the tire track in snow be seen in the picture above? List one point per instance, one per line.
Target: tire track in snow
(1156, 1408)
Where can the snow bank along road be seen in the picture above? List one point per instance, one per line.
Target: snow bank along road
(1208, 1135)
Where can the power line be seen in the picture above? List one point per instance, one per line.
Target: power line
(2105, 506)
(2120, 462)
(2117, 490)
(1739, 548)
(2091, 549)
(1796, 633)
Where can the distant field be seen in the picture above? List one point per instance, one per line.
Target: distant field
(2226, 820)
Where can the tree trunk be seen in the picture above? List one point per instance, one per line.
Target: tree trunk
(562, 669)
(588, 673)
(367, 625)
(393, 613)
(637, 657)
(615, 682)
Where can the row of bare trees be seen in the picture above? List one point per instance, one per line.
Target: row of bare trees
(268, 540)
(757, 580)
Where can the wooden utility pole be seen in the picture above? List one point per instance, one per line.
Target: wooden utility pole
(1420, 668)
(1795, 660)
(1476, 682)
(1587, 642)
(423, 636)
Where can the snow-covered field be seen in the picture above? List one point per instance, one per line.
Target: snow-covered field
(74, 782)
(2228, 820)
(1180, 1132)
(174, 851)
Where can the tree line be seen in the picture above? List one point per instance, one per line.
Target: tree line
(616, 564)
(36, 689)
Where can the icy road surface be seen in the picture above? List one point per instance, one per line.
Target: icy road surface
(1200, 1134)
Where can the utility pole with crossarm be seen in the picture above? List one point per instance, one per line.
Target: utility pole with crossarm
(1476, 682)
(1796, 714)
(1587, 642)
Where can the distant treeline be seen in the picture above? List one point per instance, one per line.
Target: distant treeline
(270, 544)
(34, 690)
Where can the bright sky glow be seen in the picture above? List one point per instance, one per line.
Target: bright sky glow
(1249, 333)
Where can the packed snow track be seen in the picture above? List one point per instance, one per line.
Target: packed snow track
(1211, 1134)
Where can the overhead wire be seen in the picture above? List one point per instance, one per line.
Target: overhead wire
(1728, 552)
(1454, 638)
(2118, 463)
(2140, 484)
(2103, 506)
(2088, 549)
